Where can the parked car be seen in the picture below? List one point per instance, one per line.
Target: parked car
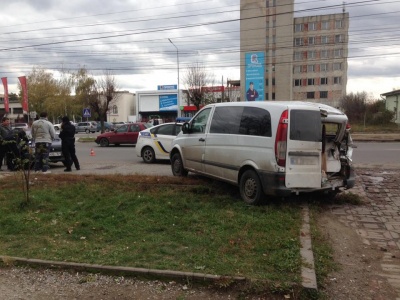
(23, 126)
(156, 142)
(87, 127)
(107, 126)
(117, 124)
(55, 154)
(268, 148)
(125, 134)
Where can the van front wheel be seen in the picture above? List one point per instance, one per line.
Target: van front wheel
(250, 188)
(177, 165)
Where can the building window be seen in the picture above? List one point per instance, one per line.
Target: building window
(273, 23)
(337, 66)
(323, 67)
(266, 82)
(311, 68)
(266, 96)
(274, 39)
(324, 39)
(324, 80)
(311, 54)
(273, 68)
(297, 69)
(310, 81)
(298, 41)
(337, 80)
(324, 53)
(298, 27)
(339, 24)
(273, 3)
(323, 94)
(115, 109)
(273, 80)
(338, 52)
(267, 40)
(339, 38)
(267, 3)
(325, 25)
(267, 25)
(312, 26)
(311, 40)
(17, 111)
(298, 55)
(273, 96)
(273, 53)
(310, 95)
(297, 82)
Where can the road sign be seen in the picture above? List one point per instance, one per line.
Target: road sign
(86, 113)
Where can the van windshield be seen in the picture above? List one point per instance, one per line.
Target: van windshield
(305, 125)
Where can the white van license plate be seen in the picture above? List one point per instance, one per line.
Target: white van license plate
(304, 160)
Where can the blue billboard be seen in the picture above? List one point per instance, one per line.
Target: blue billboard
(255, 76)
(168, 102)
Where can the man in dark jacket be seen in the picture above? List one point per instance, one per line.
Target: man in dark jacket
(8, 145)
(67, 136)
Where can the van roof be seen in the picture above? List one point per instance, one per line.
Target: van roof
(322, 107)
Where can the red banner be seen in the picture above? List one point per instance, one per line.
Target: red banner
(6, 102)
(22, 80)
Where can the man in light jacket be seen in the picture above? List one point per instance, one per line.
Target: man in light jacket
(43, 135)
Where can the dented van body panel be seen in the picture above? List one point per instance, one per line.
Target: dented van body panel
(267, 148)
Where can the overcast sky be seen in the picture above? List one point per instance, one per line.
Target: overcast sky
(131, 38)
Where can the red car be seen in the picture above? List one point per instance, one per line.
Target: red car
(124, 134)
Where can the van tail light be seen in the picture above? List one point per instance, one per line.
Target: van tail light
(281, 139)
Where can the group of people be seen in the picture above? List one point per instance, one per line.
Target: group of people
(14, 144)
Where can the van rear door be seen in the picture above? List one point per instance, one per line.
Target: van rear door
(304, 146)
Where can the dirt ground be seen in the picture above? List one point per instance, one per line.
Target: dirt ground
(359, 265)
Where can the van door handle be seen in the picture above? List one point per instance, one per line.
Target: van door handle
(202, 140)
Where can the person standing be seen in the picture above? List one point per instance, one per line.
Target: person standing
(43, 135)
(67, 136)
(8, 147)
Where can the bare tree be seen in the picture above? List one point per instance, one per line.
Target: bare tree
(195, 79)
(99, 94)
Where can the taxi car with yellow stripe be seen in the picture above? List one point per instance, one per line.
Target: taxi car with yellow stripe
(155, 142)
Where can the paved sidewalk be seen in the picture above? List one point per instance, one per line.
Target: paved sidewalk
(377, 222)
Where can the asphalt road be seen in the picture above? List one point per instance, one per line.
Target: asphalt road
(123, 159)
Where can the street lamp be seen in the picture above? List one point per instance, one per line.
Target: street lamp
(177, 59)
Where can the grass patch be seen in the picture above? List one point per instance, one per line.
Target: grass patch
(387, 128)
(189, 224)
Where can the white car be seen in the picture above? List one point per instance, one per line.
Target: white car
(155, 142)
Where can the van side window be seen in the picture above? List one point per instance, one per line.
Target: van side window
(199, 122)
(305, 125)
(255, 121)
(241, 120)
(226, 120)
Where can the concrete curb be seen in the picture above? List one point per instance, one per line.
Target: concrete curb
(117, 270)
(309, 279)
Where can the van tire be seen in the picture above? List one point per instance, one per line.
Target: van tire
(177, 166)
(250, 188)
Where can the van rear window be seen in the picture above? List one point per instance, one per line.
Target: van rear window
(241, 120)
(305, 125)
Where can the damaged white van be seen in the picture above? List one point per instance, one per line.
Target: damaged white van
(267, 148)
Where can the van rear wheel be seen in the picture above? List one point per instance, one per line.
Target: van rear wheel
(250, 188)
(177, 165)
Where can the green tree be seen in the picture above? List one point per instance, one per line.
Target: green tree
(42, 91)
(355, 106)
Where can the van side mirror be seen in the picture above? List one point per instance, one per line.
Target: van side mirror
(186, 128)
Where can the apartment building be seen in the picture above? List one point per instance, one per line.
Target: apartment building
(287, 58)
